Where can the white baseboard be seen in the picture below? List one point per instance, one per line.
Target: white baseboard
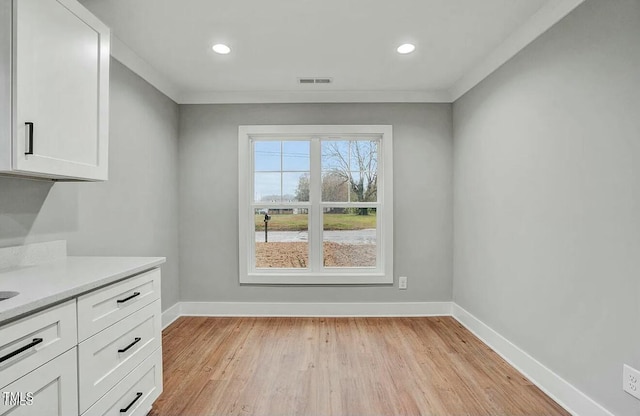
(170, 315)
(314, 309)
(332, 309)
(565, 394)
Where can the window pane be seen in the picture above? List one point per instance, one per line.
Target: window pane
(335, 155)
(295, 156)
(335, 187)
(295, 186)
(335, 171)
(282, 241)
(364, 156)
(349, 237)
(356, 162)
(267, 156)
(363, 187)
(267, 187)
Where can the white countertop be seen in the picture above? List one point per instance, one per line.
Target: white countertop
(49, 283)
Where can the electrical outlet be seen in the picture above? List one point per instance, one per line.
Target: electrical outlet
(631, 381)
(402, 282)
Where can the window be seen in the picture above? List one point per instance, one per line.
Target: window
(316, 204)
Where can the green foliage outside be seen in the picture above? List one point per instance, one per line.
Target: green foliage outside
(299, 222)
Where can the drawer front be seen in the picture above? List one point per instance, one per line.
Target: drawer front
(105, 358)
(32, 341)
(135, 393)
(49, 390)
(104, 307)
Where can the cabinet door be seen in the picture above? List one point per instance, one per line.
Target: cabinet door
(50, 390)
(61, 90)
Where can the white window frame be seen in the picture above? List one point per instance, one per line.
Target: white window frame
(382, 274)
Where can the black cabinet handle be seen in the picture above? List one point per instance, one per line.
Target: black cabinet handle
(129, 298)
(126, 409)
(130, 345)
(29, 126)
(32, 344)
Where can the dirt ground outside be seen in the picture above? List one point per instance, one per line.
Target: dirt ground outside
(296, 255)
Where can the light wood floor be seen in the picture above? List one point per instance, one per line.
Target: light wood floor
(338, 366)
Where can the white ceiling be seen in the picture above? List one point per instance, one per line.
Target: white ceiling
(274, 42)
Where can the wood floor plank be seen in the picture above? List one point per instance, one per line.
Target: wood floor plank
(338, 366)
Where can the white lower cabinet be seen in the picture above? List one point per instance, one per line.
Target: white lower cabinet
(120, 360)
(28, 343)
(49, 390)
(103, 307)
(115, 368)
(108, 356)
(135, 394)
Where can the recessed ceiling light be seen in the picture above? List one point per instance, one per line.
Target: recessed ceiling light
(221, 48)
(406, 48)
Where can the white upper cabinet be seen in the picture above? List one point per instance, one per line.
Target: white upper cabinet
(56, 86)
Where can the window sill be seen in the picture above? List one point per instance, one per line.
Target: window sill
(316, 279)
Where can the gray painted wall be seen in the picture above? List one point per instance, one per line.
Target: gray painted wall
(134, 213)
(208, 164)
(547, 200)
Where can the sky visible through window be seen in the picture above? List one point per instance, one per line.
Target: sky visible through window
(282, 168)
(279, 166)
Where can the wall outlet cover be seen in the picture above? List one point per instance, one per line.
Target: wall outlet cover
(402, 282)
(631, 381)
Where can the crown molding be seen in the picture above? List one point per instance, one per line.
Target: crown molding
(246, 97)
(548, 15)
(126, 56)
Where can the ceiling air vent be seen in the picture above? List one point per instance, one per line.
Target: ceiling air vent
(314, 80)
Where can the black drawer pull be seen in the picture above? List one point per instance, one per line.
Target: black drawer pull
(32, 344)
(29, 125)
(126, 409)
(129, 298)
(130, 345)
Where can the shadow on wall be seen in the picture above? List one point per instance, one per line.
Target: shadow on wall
(29, 208)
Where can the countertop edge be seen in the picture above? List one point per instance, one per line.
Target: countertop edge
(36, 305)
